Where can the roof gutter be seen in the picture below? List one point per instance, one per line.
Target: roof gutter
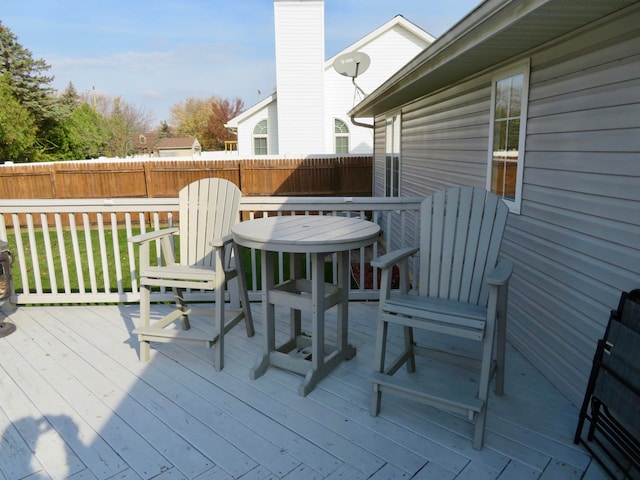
(360, 124)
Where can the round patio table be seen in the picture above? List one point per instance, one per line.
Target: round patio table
(316, 235)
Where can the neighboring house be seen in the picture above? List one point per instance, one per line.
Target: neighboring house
(148, 144)
(178, 147)
(539, 101)
(143, 143)
(308, 112)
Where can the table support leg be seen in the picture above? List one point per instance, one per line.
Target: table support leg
(345, 350)
(295, 268)
(269, 333)
(317, 325)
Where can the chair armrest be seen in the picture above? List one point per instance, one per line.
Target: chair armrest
(389, 259)
(221, 242)
(501, 274)
(154, 235)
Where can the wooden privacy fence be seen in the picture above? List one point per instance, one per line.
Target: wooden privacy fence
(159, 178)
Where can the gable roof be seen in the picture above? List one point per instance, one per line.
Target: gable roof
(233, 122)
(495, 31)
(398, 20)
(144, 141)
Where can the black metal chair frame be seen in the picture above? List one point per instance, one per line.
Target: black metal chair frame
(613, 436)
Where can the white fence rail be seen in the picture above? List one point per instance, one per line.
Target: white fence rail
(76, 251)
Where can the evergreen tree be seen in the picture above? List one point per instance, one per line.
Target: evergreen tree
(27, 78)
(17, 128)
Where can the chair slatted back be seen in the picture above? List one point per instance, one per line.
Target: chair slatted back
(461, 231)
(208, 209)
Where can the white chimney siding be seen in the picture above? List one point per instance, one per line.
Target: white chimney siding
(299, 31)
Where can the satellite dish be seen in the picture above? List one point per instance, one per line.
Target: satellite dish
(352, 64)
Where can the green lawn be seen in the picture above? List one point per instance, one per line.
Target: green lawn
(45, 274)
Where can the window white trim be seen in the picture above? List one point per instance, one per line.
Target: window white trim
(392, 155)
(522, 68)
(340, 131)
(260, 132)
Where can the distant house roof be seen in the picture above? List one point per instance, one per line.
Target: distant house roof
(176, 143)
(149, 144)
(144, 141)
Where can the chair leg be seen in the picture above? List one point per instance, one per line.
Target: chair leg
(181, 305)
(478, 434)
(376, 398)
(408, 346)
(145, 319)
(218, 356)
(379, 360)
(501, 339)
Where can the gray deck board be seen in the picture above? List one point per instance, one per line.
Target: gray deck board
(76, 403)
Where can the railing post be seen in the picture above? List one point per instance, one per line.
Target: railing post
(6, 278)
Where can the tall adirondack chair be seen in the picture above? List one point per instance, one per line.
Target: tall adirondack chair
(462, 292)
(208, 260)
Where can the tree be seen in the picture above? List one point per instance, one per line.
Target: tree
(122, 121)
(164, 130)
(205, 120)
(216, 133)
(80, 136)
(27, 79)
(17, 128)
(190, 118)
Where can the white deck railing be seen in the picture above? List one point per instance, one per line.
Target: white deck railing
(75, 251)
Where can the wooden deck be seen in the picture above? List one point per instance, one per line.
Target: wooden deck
(75, 402)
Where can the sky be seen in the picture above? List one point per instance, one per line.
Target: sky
(155, 54)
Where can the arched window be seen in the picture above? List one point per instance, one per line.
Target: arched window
(341, 133)
(260, 131)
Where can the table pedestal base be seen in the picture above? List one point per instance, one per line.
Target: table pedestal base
(302, 353)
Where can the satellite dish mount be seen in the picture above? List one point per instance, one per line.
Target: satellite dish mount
(351, 65)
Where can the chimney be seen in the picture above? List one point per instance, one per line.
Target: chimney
(299, 33)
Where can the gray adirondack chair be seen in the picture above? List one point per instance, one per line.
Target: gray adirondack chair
(462, 292)
(208, 260)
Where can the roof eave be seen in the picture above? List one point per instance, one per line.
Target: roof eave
(494, 32)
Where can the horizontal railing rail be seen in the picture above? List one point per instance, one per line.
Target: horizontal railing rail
(76, 251)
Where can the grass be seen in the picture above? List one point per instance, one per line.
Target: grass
(101, 268)
(47, 274)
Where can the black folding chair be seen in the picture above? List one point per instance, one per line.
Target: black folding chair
(611, 405)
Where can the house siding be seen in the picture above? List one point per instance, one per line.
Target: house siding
(576, 242)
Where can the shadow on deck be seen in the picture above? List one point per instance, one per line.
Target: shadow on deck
(75, 402)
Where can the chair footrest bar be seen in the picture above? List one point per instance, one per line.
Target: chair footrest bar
(448, 399)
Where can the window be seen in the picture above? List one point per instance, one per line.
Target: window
(341, 132)
(507, 134)
(392, 157)
(260, 146)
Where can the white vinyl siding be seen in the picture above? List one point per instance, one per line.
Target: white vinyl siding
(578, 244)
(299, 30)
